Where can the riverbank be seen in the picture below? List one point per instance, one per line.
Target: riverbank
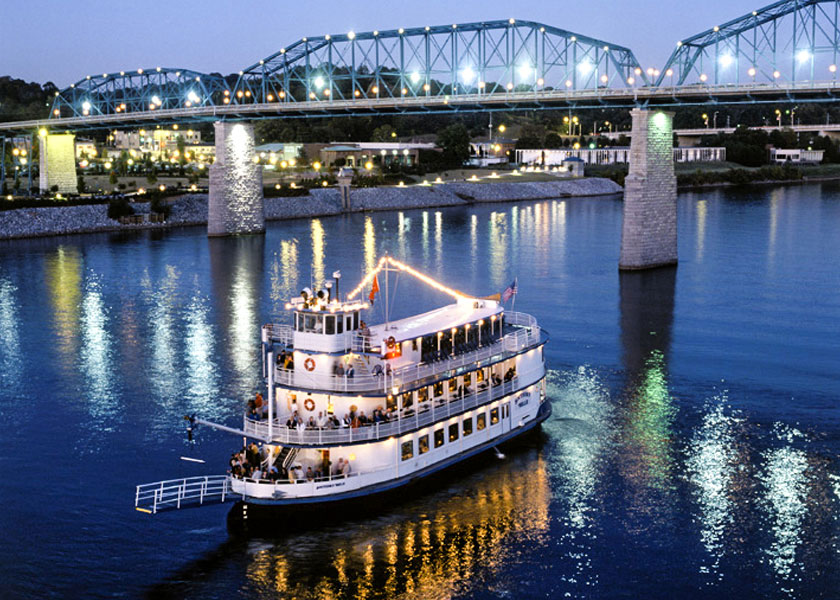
(191, 209)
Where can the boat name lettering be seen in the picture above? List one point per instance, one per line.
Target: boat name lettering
(329, 485)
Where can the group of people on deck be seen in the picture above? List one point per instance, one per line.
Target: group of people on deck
(354, 418)
(259, 463)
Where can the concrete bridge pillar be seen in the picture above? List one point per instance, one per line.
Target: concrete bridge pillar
(57, 163)
(649, 230)
(236, 192)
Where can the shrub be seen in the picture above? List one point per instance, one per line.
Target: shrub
(112, 178)
(160, 206)
(54, 189)
(119, 207)
(80, 184)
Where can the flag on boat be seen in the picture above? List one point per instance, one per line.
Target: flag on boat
(509, 291)
(374, 288)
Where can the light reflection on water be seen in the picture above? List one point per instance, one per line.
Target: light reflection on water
(648, 483)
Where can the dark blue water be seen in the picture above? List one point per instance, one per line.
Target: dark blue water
(693, 450)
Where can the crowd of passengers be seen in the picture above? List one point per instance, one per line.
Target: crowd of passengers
(253, 462)
(258, 410)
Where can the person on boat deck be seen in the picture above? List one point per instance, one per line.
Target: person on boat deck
(338, 371)
(345, 469)
(511, 373)
(334, 423)
(496, 379)
(337, 468)
(350, 372)
(256, 474)
(258, 403)
(322, 420)
(310, 475)
(347, 420)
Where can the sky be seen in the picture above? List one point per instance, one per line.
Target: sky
(64, 40)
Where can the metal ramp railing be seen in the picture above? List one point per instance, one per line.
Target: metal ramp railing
(180, 493)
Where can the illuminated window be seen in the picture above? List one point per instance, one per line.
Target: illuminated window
(494, 416)
(438, 388)
(480, 422)
(407, 449)
(453, 385)
(467, 426)
(422, 394)
(453, 432)
(438, 438)
(407, 399)
(423, 444)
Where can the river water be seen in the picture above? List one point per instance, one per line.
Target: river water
(693, 450)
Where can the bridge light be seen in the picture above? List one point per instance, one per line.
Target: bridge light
(282, 94)
(327, 37)
(357, 93)
(726, 60)
(415, 77)
(86, 106)
(573, 38)
(467, 74)
(679, 44)
(751, 72)
(56, 112)
(604, 78)
(703, 77)
(637, 70)
(426, 87)
(401, 31)
(428, 28)
(270, 97)
(832, 68)
(156, 100)
(585, 67)
(319, 82)
(568, 83)
(375, 89)
(631, 80)
(193, 97)
(454, 26)
(139, 71)
(524, 70)
(803, 56)
(351, 35)
(509, 86)
(650, 71)
(375, 33)
(311, 95)
(776, 74)
(540, 81)
(512, 21)
(716, 28)
(670, 72)
(327, 92)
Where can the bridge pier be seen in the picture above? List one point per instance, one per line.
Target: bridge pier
(649, 229)
(236, 192)
(57, 163)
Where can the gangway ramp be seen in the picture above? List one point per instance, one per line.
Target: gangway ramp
(173, 494)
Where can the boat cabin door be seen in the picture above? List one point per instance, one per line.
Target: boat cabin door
(505, 417)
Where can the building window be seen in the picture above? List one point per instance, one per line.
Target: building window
(423, 444)
(330, 326)
(467, 426)
(494, 416)
(453, 432)
(438, 438)
(407, 449)
(480, 421)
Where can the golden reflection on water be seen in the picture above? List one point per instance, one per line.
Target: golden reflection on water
(96, 352)
(202, 371)
(439, 243)
(434, 552)
(369, 245)
(403, 227)
(64, 285)
(318, 249)
(498, 249)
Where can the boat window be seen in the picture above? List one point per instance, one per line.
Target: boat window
(453, 385)
(339, 324)
(407, 399)
(356, 320)
(422, 394)
(479, 376)
(423, 444)
(453, 432)
(438, 438)
(494, 416)
(438, 389)
(330, 325)
(298, 322)
(391, 402)
(407, 449)
(467, 379)
(467, 426)
(309, 323)
(319, 324)
(349, 323)
(480, 421)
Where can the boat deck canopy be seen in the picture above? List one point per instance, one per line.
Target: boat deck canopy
(465, 310)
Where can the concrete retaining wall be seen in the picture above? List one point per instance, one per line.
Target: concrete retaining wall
(191, 209)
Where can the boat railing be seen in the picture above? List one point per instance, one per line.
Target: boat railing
(278, 484)
(526, 333)
(411, 418)
(282, 334)
(180, 493)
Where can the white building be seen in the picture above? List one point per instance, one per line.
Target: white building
(780, 155)
(611, 156)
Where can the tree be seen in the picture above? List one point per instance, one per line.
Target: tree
(455, 142)
(382, 134)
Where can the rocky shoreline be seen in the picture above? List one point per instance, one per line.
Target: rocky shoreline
(191, 209)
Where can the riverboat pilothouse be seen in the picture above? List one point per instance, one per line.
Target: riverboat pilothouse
(355, 410)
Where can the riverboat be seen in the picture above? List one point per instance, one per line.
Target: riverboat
(354, 411)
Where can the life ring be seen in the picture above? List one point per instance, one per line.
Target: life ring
(391, 342)
(309, 404)
(309, 364)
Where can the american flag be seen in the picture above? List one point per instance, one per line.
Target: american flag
(509, 291)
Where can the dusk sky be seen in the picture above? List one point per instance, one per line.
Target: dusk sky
(61, 41)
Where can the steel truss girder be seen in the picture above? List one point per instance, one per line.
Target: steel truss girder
(787, 41)
(487, 58)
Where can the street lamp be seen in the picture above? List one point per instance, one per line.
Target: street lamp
(706, 120)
